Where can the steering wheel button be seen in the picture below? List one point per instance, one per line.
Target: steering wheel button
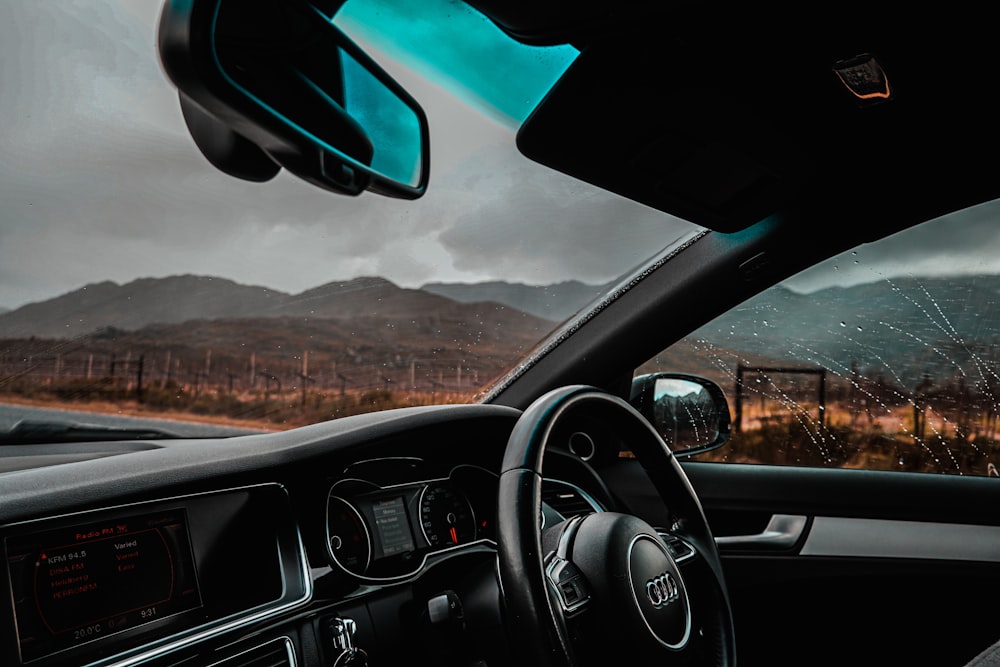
(570, 594)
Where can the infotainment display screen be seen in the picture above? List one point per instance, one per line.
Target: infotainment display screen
(77, 584)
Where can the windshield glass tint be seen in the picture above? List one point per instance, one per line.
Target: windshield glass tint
(137, 279)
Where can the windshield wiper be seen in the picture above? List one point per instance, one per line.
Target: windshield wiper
(29, 431)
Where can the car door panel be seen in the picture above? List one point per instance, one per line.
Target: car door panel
(832, 566)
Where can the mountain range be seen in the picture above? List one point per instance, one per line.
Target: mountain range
(363, 333)
(557, 301)
(178, 299)
(903, 328)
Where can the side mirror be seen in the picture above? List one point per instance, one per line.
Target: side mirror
(266, 84)
(689, 412)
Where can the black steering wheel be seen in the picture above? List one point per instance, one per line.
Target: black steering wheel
(607, 587)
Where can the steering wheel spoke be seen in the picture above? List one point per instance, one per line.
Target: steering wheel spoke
(569, 585)
(566, 581)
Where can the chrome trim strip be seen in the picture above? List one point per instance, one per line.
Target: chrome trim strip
(381, 459)
(416, 482)
(367, 584)
(289, 648)
(879, 538)
(482, 544)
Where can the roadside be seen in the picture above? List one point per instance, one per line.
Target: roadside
(132, 410)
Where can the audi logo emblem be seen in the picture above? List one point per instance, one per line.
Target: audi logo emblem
(662, 590)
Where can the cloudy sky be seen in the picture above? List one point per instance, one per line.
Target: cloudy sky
(99, 180)
(956, 244)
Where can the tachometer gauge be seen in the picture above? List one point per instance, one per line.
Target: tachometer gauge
(446, 516)
(347, 536)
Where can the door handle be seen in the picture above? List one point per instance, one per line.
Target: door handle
(782, 532)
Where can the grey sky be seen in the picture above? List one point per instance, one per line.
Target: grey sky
(917, 251)
(100, 181)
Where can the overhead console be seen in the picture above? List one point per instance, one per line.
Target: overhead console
(141, 580)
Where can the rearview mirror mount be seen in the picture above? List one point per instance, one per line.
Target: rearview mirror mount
(266, 84)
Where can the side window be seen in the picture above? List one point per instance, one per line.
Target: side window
(886, 357)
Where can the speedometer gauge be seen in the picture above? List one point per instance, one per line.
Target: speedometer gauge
(446, 516)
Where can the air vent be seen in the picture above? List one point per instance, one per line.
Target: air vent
(277, 653)
(567, 499)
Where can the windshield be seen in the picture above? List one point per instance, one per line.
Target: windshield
(135, 278)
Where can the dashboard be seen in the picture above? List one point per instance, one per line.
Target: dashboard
(376, 533)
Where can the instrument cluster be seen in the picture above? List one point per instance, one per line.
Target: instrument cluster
(385, 531)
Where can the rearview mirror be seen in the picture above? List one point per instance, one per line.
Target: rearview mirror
(689, 412)
(275, 82)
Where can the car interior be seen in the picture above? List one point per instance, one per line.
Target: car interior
(566, 516)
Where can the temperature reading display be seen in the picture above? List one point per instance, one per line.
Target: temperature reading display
(392, 526)
(79, 584)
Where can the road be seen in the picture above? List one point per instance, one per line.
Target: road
(11, 414)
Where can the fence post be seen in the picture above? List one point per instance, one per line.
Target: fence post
(738, 421)
(138, 380)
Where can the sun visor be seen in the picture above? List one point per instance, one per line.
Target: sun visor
(687, 134)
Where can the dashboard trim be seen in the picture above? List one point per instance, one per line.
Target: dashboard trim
(880, 538)
(286, 641)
